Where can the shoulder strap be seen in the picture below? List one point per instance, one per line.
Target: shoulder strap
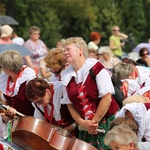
(39, 109)
(92, 74)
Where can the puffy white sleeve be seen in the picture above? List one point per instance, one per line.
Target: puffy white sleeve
(65, 99)
(104, 83)
(147, 126)
(145, 88)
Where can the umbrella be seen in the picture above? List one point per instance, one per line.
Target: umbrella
(21, 49)
(8, 20)
(141, 45)
(134, 56)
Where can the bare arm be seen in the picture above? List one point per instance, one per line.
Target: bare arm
(103, 107)
(89, 125)
(112, 46)
(44, 73)
(122, 36)
(29, 62)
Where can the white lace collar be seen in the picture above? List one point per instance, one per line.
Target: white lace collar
(27, 75)
(69, 72)
(57, 99)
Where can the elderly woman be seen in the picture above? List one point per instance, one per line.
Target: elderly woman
(114, 41)
(141, 114)
(121, 137)
(135, 79)
(36, 46)
(130, 122)
(108, 60)
(94, 107)
(13, 81)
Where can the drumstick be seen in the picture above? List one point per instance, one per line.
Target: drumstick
(7, 107)
(18, 113)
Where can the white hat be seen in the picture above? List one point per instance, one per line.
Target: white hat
(6, 30)
(104, 49)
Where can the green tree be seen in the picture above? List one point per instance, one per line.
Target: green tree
(108, 14)
(38, 13)
(134, 20)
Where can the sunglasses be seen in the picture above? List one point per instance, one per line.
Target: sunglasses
(115, 30)
(57, 72)
(145, 54)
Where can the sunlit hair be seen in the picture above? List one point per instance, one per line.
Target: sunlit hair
(95, 36)
(33, 29)
(127, 121)
(92, 51)
(115, 26)
(122, 70)
(36, 88)
(55, 59)
(78, 42)
(122, 135)
(11, 60)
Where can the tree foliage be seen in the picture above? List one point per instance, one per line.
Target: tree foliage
(64, 18)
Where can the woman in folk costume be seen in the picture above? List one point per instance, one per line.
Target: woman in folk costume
(46, 98)
(141, 114)
(90, 102)
(13, 80)
(135, 79)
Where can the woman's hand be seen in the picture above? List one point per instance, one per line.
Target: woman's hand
(90, 126)
(11, 111)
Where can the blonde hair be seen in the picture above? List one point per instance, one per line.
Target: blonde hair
(12, 60)
(115, 26)
(78, 42)
(122, 135)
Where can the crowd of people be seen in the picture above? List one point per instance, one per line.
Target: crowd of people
(75, 85)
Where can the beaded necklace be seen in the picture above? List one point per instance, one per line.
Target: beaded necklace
(46, 116)
(10, 90)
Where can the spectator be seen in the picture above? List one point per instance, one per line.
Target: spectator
(16, 39)
(6, 33)
(95, 40)
(59, 43)
(115, 41)
(108, 60)
(92, 53)
(145, 59)
(36, 46)
(44, 72)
